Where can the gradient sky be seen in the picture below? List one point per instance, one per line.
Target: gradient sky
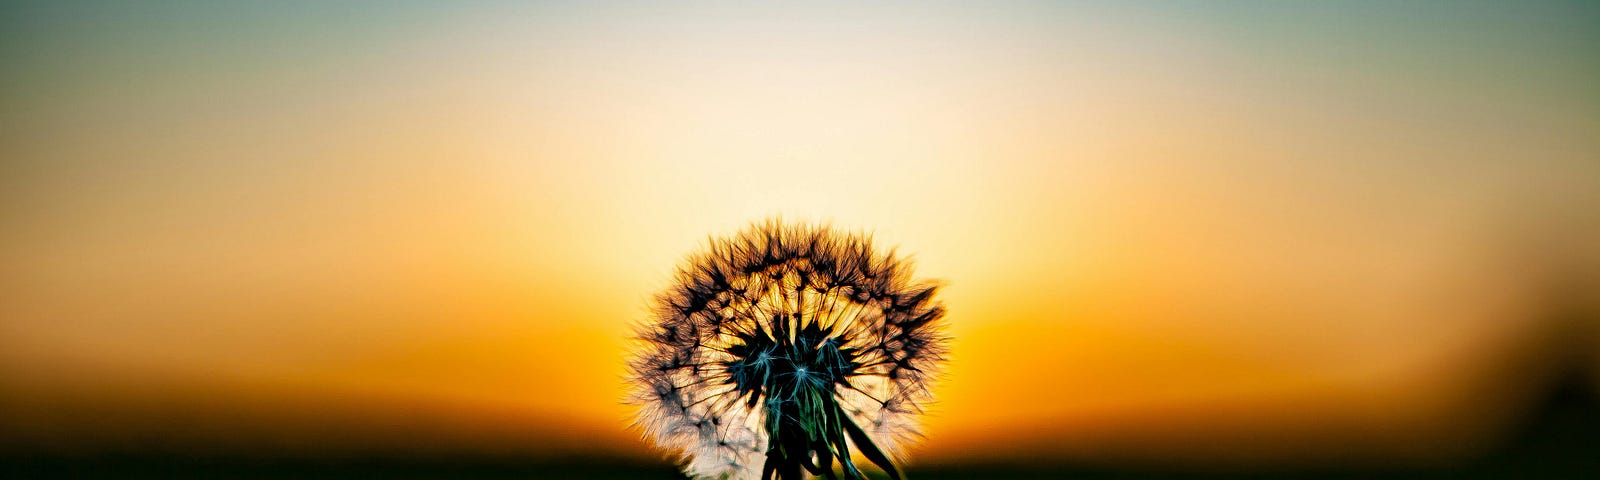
(1252, 231)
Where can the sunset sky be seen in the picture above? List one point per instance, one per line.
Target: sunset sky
(1233, 232)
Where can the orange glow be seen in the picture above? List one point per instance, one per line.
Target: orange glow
(1154, 228)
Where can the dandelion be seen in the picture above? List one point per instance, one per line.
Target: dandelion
(779, 349)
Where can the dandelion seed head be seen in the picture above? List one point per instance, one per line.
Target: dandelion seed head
(763, 335)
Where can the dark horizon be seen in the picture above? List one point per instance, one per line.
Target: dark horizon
(1554, 439)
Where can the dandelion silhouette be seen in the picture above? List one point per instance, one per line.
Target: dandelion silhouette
(778, 349)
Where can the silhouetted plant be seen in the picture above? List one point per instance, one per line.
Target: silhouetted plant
(777, 350)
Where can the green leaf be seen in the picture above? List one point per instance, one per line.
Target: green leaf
(869, 449)
(837, 437)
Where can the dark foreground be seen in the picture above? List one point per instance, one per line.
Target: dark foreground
(148, 468)
(1562, 440)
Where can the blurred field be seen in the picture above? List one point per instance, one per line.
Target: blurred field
(1557, 442)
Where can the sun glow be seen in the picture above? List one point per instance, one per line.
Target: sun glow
(1298, 223)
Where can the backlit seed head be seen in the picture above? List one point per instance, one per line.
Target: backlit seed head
(774, 346)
